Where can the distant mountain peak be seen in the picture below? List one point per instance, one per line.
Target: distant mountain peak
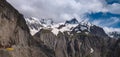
(72, 26)
(114, 34)
(33, 18)
(72, 21)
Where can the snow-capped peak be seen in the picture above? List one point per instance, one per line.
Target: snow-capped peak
(33, 24)
(112, 32)
(72, 21)
(32, 20)
(36, 25)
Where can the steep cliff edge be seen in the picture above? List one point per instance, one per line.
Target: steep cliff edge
(15, 38)
(76, 45)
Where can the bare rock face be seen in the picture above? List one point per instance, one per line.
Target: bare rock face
(116, 49)
(76, 45)
(95, 30)
(15, 38)
(12, 26)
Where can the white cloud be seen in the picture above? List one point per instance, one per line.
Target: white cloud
(112, 21)
(57, 8)
(114, 8)
(61, 10)
(97, 22)
(106, 22)
(110, 29)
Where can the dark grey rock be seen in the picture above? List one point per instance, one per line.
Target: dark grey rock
(15, 34)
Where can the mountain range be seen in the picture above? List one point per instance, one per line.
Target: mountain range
(32, 37)
(71, 26)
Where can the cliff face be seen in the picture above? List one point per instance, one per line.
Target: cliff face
(15, 38)
(116, 49)
(12, 26)
(76, 45)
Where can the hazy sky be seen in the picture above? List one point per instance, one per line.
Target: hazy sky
(105, 13)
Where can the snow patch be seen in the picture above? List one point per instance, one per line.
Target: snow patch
(83, 28)
(55, 31)
(78, 31)
(87, 33)
(91, 50)
(33, 31)
(68, 27)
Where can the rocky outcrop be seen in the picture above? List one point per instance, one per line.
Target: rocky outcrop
(116, 49)
(15, 38)
(76, 44)
(95, 30)
(72, 21)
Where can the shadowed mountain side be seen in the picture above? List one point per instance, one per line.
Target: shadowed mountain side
(15, 38)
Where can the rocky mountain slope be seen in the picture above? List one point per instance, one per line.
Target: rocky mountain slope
(80, 41)
(69, 39)
(75, 39)
(15, 38)
(114, 34)
(71, 26)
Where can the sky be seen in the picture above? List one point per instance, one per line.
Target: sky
(103, 13)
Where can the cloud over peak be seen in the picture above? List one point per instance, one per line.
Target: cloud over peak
(61, 10)
(57, 8)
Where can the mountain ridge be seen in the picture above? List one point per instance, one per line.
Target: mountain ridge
(16, 40)
(72, 25)
(15, 37)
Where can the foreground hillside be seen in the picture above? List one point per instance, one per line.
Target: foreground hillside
(15, 38)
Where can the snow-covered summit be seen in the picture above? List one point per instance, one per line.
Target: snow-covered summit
(34, 24)
(72, 21)
(72, 25)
